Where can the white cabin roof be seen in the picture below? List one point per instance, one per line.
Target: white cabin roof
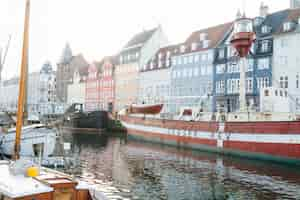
(10, 184)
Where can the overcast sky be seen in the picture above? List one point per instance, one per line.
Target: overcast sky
(98, 28)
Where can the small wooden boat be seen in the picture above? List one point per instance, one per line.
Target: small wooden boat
(151, 109)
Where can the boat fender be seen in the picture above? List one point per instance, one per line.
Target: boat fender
(32, 171)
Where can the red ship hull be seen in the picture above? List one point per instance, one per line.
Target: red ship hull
(146, 109)
(277, 141)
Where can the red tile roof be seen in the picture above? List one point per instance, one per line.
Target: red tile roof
(214, 34)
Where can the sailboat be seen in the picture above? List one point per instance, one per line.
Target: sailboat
(37, 139)
(20, 179)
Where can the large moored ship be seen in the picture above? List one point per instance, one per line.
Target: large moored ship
(271, 134)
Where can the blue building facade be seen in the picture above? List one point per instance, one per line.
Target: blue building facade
(192, 69)
(226, 72)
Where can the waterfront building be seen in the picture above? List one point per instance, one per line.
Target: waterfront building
(65, 71)
(77, 88)
(47, 90)
(92, 101)
(107, 84)
(192, 68)
(41, 94)
(259, 71)
(155, 78)
(286, 67)
(135, 54)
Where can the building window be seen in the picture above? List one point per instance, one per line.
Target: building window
(179, 60)
(203, 36)
(250, 65)
(283, 43)
(286, 82)
(263, 82)
(196, 58)
(194, 46)
(182, 48)
(190, 72)
(264, 46)
(233, 68)
(249, 85)
(185, 60)
(220, 69)
(297, 81)
(196, 71)
(220, 86)
(263, 63)
(221, 53)
(287, 26)
(159, 64)
(173, 61)
(184, 74)
(191, 58)
(265, 29)
(283, 60)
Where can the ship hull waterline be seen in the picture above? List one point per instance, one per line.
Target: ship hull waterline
(276, 147)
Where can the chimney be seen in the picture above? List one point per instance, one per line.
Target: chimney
(263, 10)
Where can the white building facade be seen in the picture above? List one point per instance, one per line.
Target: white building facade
(155, 79)
(286, 59)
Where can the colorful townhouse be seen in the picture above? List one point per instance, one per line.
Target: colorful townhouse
(155, 78)
(286, 60)
(135, 54)
(226, 71)
(107, 84)
(92, 99)
(192, 69)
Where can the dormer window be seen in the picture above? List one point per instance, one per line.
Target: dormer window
(205, 43)
(168, 54)
(221, 53)
(182, 49)
(194, 46)
(287, 26)
(203, 36)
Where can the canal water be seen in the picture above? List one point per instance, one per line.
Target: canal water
(150, 171)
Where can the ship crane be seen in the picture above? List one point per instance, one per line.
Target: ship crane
(3, 58)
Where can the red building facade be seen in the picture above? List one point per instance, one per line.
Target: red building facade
(107, 85)
(91, 89)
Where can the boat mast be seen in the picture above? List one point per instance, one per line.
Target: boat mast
(22, 83)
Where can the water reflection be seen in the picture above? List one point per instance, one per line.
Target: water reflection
(159, 172)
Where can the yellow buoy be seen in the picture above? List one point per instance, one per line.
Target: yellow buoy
(32, 171)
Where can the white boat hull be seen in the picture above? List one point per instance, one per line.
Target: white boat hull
(29, 138)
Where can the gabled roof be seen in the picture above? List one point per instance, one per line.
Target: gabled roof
(293, 16)
(140, 38)
(163, 59)
(214, 35)
(273, 20)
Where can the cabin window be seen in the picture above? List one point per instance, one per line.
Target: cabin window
(266, 93)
